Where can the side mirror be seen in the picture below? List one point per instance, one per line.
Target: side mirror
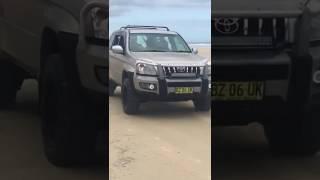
(117, 49)
(195, 51)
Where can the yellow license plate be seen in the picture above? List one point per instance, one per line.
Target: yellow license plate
(238, 91)
(184, 90)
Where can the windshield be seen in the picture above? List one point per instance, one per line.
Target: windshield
(153, 42)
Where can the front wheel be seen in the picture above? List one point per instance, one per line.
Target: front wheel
(202, 104)
(68, 133)
(295, 134)
(130, 100)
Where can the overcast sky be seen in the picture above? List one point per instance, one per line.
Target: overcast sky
(190, 18)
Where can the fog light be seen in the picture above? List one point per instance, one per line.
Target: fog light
(151, 86)
(148, 86)
(316, 77)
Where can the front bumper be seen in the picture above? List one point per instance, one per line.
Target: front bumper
(274, 70)
(302, 95)
(244, 112)
(93, 70)
(165, 88)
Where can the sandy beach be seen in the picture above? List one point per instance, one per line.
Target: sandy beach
(165, 141)
(205, 52)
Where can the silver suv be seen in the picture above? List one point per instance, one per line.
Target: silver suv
(154, 63)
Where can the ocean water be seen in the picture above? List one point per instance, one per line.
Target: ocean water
(200, 45)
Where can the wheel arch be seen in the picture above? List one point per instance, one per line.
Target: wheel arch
(65, 44)
(60, 19)
(127, 74)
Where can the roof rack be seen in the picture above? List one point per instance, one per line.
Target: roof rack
(144, 27)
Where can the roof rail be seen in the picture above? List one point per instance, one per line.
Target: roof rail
(144, 27)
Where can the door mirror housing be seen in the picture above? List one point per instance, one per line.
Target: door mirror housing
(117, 49)
(195, 51)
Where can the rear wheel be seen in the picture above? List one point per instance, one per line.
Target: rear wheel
(11, 78)
(68, 133)
(112, 87)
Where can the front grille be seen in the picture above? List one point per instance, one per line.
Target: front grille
(182, 71)
(184, 84)
(250, 32)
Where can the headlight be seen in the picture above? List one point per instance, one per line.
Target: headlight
(100, 23)
(146, 69)
(208, 69)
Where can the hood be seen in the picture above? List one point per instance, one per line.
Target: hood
(256, 6)
(170, 58)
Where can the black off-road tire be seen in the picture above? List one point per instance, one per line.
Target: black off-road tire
(112, 87)
(11, 78)
(295, 134)
(202, 104)
(130, 101)
(69, 135)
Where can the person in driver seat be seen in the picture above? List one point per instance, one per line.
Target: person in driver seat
(163, 44)
(136, 45)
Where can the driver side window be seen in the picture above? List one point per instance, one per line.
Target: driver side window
(118, 40)
(141, 40)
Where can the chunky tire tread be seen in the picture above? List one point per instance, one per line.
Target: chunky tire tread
(68, 134)
(294, 135)
(202, 103)
(130, 100)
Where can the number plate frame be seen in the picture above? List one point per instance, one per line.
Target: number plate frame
(238, 91)
(183, 90)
